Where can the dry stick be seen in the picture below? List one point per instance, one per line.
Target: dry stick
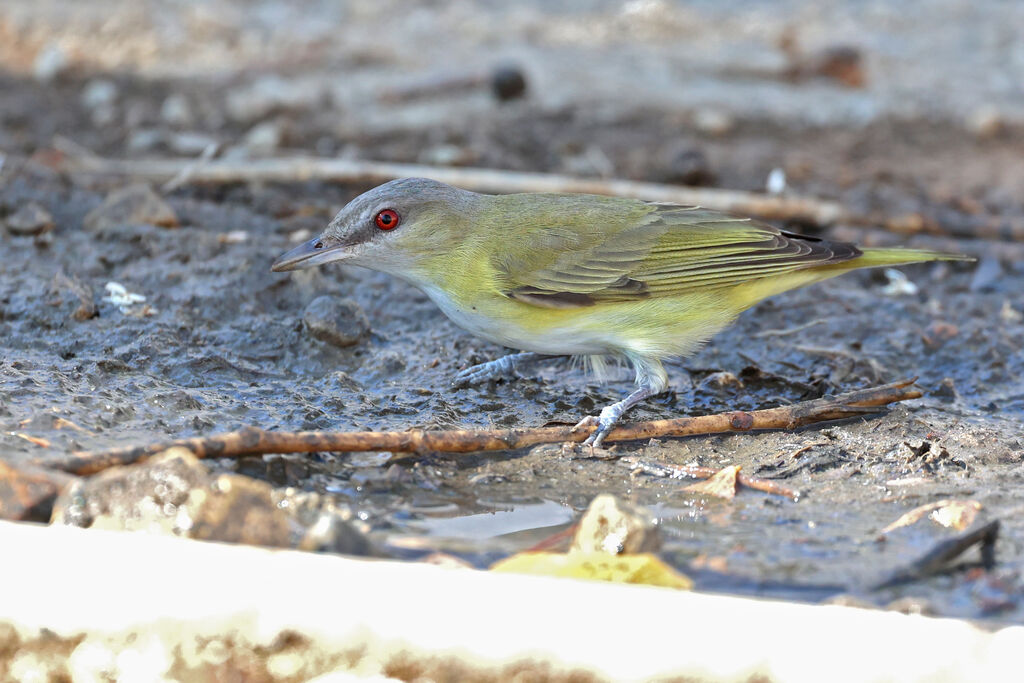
(295, 169)
(698, 472)
(937, 560)
(256, 441)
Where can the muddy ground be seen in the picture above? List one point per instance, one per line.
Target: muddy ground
(649, 91)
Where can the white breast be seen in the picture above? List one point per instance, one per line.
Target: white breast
(555, 342)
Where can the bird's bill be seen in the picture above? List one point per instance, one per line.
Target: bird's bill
(309, 254)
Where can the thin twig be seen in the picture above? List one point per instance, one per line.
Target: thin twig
(256, 441)
(185, 175)
(937, 560)
(698, 472)
(791, 330)
(294, 169)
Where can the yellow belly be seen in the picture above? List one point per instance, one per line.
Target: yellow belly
(658, 327)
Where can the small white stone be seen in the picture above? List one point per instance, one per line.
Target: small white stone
(233, 237)
(50, 63)
(176, 111)
(118, 295)
(986, 121)
(776, 183)
(713, 121)
(264, 137)
(899, 284)
(99, 92)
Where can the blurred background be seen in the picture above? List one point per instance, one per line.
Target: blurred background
(645, 88)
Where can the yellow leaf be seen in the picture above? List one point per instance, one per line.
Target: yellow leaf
(643, 568)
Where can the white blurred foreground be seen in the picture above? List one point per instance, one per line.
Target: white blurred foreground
(132, 606)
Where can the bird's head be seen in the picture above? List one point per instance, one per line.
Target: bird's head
(393, 228)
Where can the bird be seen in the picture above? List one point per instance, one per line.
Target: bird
(580, 275)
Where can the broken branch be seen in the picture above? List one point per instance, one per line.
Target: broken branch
(293, 169)
(698, 472)
(938, 559)
(256, 441)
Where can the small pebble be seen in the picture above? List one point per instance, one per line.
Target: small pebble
(99, 92)
(899, 284)
(340, 322)
(190, 143)
(132, 205)
(508, 83)
(176, 111)
(713, 121)
(689, 166)
(987, 275)
(985, 122)
(50, 63)
(776, 183)
(946, 390)
(30, 219)
(263, 138)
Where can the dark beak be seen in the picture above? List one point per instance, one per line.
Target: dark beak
(309, 254)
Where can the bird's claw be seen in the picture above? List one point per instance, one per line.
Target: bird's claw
(476, 374)
(605, 424)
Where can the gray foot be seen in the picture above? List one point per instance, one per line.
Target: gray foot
(610, 416)
(502, 367)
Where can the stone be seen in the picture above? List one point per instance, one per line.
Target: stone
(176, 111)
(99, 92)
(237, 509)
(132, 205)
(30, 219)
(145, 139)
(28, 493)
(257, 100)
(985, 121)
(330, 533)
(613, 526)
(50, 63)
(508, 83)
(263, 138)
(688, 166)
(153, 496)
(716, 122)
(340, 322)
(174, 493)
(190, 143)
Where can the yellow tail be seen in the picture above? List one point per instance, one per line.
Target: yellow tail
(746, 295)
(872, 258)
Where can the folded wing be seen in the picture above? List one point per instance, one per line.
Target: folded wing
(668, 251)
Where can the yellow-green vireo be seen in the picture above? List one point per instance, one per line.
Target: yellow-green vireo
(566, 274)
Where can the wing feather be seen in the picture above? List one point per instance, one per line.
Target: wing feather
(666, 251)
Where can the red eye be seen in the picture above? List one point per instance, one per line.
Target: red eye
(388, 219)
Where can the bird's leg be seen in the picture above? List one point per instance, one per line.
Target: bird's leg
(651, 377)
(501, 367)
(610, 416)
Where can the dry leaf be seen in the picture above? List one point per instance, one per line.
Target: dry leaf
(948, 512)
(958, 514)
(644, 568)
(616, 527)
(721, 485)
